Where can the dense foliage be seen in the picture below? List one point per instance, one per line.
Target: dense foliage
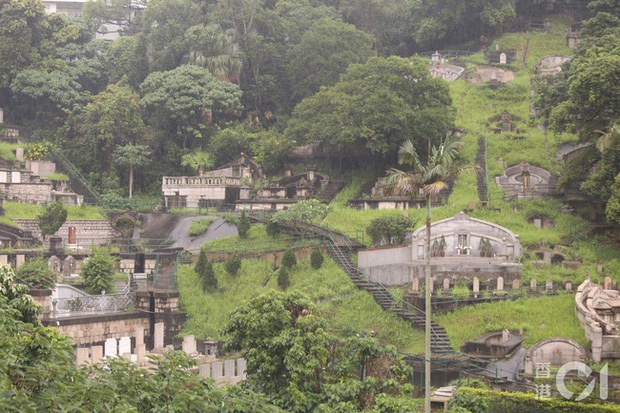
(35, 273)
(52, 218)
(98, 272)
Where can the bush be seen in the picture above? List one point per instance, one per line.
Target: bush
(243, 225)
(283, 279)
(206, 273)
(288, 259)
(316, 258)
(198, 227)
(52, 218)
(232, 265)
(389, 229)
(98, 272)
(36, 274)
(272, 229)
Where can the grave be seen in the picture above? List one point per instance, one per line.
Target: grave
(527, 181)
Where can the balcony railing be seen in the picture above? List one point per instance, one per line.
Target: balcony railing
(92, 304)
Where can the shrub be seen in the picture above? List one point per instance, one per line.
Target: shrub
(206, 273)
(316, 258)
(389, 229)
(36, 274)
(283, 279)
(272, 229)
(288, 259)
(98, 272)
(52, 218)
(243, 225)
(232, 265)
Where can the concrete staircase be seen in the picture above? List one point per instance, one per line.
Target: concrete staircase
(440, 343)
(331, 190)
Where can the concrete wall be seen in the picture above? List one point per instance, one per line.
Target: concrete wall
(389, 266)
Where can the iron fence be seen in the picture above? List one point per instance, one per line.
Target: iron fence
(92, 304)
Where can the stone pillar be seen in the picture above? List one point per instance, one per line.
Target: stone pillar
(415, 286)
(204, 370)
(216, 371)
(96, 354)
(241, 368)
(124, 346)
(111, 348)
(500, 283)
(19, 260)
(158, 341)
(189, 345)
(82, 355)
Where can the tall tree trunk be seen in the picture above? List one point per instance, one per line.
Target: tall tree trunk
(427, 300)
(130, 180)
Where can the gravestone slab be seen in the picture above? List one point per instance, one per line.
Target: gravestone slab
(124, 346)
(158, 343)
(516, 285)
(241, 368)
(204, 370)
(110, 348)
(96, 354)
(189, 344)
(500, 283)
(216, 370)
(82, 355)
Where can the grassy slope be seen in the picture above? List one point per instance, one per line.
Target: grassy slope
(348, 309)
(20, 210)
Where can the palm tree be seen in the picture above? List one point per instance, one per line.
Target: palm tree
(198, 160)
(430, 179)
(220, 54)
(132, 155)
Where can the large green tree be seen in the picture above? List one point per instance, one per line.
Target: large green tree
(132, 156)
(377, 106)
(185, 101)
(325, 51)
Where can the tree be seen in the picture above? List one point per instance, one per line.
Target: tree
(186, 100)
(35, 273)
(272, 228)
(325, 51)
(375, 106)
(98, 272)
(431, 179)
(233, 264)
(132, 155)
(206, 274)
(389, 229)
(283, 279)
(52, 218)
(288, 259)
(198, 160)
(216, 49)
(316, 258)
(243, 225)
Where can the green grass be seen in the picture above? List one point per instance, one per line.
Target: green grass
(199, 227)
(7, 150)
(257, 240)
(540, 318)
(21, 210)
(347, 309)
(57, 176)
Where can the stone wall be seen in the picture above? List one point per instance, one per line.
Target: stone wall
(96, 329)
(389, 266)
(87, 232)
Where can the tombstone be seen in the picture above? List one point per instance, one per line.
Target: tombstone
(506, 335)
(124, 346)
(549, 285)
(241, 368)
(69, 266)
(54, 263)
(140, 351)
(19, 260)
(4, 259)
(216, 370)
(110, 348)
(3, 177)
(139, 336)
(72, 236)
(476, 285)
(189, 345)
(607, 285)
(415, 286)
(500, 283)
(158, 341)
(599, 269)
(204, 370)
(502, 58)
(533, 285)
(229, 369)
(96, 354)
(538, 222)
(446, 284)
(82, 355)
(515, 284)
(568, 286)
(16, 177)
(212, 348)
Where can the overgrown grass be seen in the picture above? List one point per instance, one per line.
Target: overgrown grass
(199, 226)
(7, 150)
(540, 318)
(348, 310)
(257, 240)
